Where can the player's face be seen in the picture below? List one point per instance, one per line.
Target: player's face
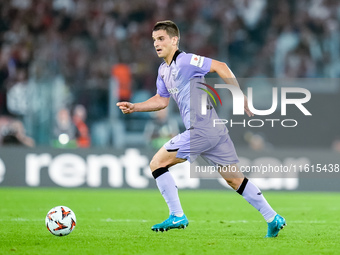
(163, 44)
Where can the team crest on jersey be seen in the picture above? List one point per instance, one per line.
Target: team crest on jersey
(173, 90)
(197, 60)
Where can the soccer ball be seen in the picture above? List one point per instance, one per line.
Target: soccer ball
(60, 221)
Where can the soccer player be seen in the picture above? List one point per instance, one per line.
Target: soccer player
(179, 76)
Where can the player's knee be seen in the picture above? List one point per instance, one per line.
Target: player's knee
(155, 163)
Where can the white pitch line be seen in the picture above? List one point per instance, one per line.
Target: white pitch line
(22, 219)
(123, 220)
(310, 222)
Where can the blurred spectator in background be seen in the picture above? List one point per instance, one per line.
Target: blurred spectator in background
(64, 133)
(82, 131)
(12, 132)
(336, 145)
(5, 53)
(81, 40)
(122, 74)
(18, 95)
(256, 142)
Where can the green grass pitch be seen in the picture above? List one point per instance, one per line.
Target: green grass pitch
(119, 222)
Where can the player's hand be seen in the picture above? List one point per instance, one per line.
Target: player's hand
(246, 108)
(126, 107)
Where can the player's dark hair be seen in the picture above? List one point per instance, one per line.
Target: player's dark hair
(169, 26)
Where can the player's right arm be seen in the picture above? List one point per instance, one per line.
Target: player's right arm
(154, 103)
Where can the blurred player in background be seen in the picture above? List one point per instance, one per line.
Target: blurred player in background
(179, 76)
(160, 129)
(82, 131)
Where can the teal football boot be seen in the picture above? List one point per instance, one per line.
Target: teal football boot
(275, 226)
(170, 223)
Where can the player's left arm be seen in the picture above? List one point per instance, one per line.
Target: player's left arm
(228, 77)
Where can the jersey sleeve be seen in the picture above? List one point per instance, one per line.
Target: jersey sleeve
(195, 65)
(161, 88)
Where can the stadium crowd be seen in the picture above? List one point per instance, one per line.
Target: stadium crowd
(82, 39)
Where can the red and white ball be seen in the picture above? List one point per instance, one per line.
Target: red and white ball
(60, 220)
